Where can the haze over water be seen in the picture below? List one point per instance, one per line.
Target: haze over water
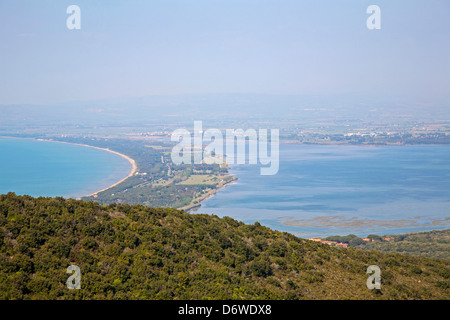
(329, 190)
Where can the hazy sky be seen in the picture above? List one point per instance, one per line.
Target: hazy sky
(138, 48)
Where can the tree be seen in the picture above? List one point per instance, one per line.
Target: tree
(375, 237)
(261, 267)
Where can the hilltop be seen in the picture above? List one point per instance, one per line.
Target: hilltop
(137, 252)
(433, 244)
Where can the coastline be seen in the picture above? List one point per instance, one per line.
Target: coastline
(130, 174)
(190, 207)
(130, 160)
(326, 222)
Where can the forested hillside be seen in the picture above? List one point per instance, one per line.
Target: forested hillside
(137, 252)
(433, 244)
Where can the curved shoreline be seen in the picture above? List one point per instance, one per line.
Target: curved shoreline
(130, 160)
(132, 170)
(194, 207)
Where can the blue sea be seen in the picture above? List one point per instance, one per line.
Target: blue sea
(44, 168)
(340, 190)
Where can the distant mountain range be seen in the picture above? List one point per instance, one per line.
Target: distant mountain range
(218, 107)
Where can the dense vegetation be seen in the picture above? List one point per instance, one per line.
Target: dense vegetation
(432, 244)
(158, 183)
(351, 239)
(137, 252)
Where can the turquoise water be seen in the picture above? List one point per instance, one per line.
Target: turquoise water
(43, 168)
(338, 190)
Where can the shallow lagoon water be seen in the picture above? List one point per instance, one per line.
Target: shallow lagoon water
(330, 190)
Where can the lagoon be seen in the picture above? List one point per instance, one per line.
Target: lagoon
(323, 190)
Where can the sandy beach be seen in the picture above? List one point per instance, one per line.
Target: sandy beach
(132, 171)
(130, 160)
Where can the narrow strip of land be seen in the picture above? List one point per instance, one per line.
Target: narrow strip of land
(130, 160)
(131, 173)
(196, 201)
